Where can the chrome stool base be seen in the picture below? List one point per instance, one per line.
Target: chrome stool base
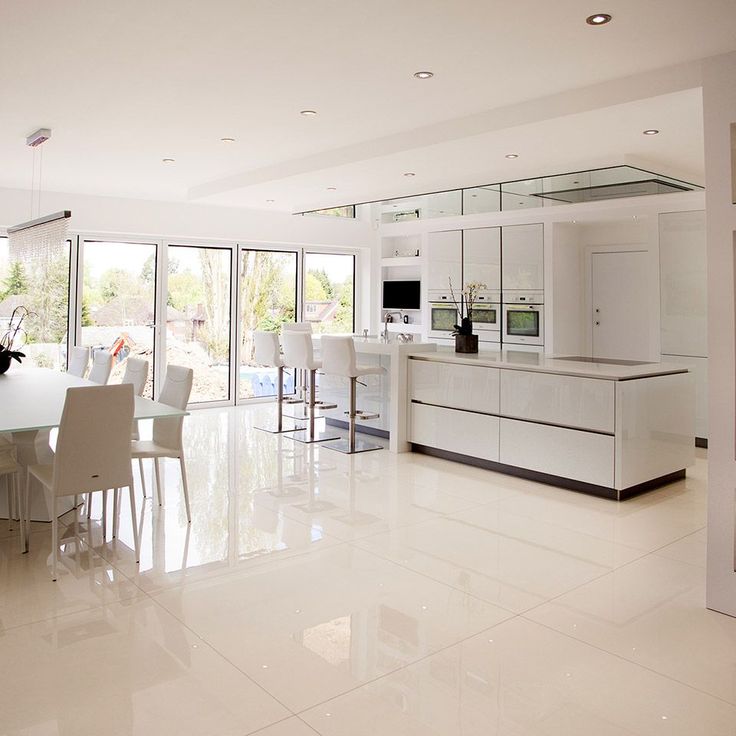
(318, 436)
(359, 446)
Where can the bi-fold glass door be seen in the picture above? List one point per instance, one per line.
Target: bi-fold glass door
(268, 297)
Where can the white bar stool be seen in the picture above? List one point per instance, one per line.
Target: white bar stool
(299, 355)
(300, 387)
(339, 359)
(268, 355)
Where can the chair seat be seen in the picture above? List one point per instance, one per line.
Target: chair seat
(148, 448)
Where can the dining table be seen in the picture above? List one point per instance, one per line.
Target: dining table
(31, 404)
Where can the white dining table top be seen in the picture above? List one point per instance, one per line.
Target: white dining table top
(33, 398)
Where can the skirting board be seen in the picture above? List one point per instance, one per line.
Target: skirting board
(554, 480)
(359, 428)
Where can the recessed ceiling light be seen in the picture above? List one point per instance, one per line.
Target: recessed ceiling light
(168, 160)
(512, 155)
(270, 201)
(423, 75)
(409, 173)
(308, 113)
(331, 189)
(651, 131)
(227, 140)
(598, 19)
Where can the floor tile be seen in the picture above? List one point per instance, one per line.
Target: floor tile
(289, 727)
(498, 568)
(319, 624)
(521, 679)
(691, 549)
(652, 612)
(124, 669)
(85, 580)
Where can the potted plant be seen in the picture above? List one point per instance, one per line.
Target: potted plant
(465, 340)
(10, 338)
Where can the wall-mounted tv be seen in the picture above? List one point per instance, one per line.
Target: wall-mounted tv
(401, 294)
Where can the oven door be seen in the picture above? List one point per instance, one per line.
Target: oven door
(523, 324)
(442, 319)
(486, 320)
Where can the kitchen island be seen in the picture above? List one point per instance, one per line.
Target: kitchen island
(610, 428)
(383, 394)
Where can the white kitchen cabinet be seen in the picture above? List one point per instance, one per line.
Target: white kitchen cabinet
(699, 368)
(568, 453)
(474, 388)
(445, 261)
(482, 257)
(522, 248)
(683, 284)
(570, 401)
(463, 432)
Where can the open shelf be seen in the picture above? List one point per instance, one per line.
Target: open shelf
(401, 262)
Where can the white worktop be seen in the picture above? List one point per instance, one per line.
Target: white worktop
(378, 346)
(522, 361)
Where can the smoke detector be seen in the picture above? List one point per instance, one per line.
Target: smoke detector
(39, 137)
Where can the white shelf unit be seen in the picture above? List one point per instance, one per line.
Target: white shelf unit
(399, 261)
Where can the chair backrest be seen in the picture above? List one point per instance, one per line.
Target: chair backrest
(136, 373)
(298, 349)
(267, 350)
(101, 367)
(296, 327)
(93, 446)
(78, 361)
(338, 356)
(176, 391)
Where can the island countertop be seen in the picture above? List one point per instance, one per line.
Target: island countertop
(560, 365)
(378, 346)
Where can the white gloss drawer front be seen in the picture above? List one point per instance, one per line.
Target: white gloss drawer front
(462, 432)
(570, 401)
(569, 453)
(456, 386)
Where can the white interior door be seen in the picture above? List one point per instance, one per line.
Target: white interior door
(620, 291)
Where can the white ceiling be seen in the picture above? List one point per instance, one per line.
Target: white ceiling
(124, 85)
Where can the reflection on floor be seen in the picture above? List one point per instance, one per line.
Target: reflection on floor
(379, 594)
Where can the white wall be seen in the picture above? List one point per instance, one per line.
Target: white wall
(719, 111)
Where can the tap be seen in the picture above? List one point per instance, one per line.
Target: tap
(388, 317)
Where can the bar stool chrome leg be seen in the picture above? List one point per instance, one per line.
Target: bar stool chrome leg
(312, 434)
(351, 445)
(280, 409)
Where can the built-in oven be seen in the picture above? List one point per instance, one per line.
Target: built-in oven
(486, 317)
(523, 318)
(442, 315)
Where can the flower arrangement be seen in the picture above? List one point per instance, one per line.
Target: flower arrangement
(464, 306)
(9, 340)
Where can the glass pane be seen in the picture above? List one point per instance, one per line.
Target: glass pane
(268, 299)
(118, 302)
(523, 324)
(39, 282)
(483, 316)
(522, 195)
(482, 199)
(198, 318)
(444, 319)
(329, 292)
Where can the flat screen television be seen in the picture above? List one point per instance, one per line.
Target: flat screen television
(401, 294)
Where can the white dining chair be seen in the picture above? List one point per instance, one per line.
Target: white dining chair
(167, 431)
(136, 373)
(9, 469)
(78, 361)
(92, 454)
(101, 367)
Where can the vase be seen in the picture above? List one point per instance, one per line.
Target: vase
(4, 363)
(466, 343)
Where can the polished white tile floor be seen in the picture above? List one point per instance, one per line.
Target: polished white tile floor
(381, 594)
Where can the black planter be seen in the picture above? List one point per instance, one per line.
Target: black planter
(466, 343)
(4, 363)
